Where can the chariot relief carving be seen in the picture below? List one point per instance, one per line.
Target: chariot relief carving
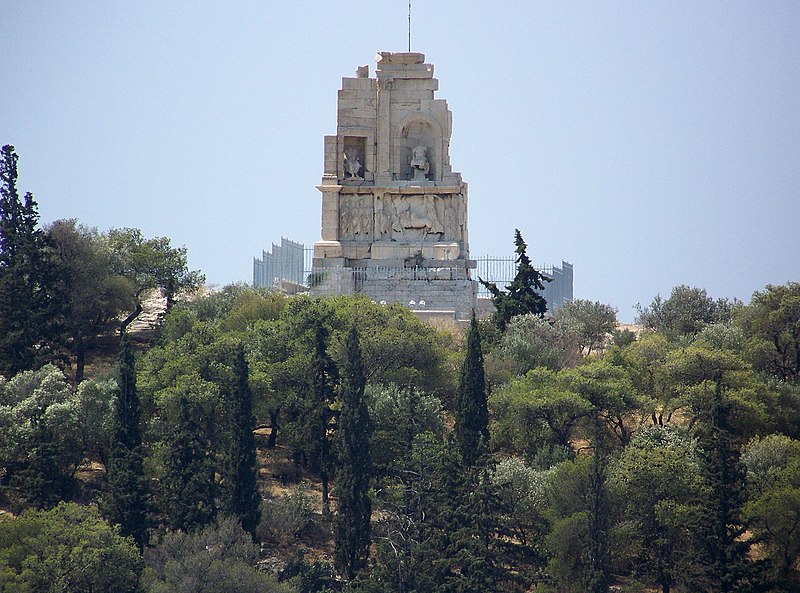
(419, 218)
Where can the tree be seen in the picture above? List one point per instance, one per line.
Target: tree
(352, 525)
(695, 373)
(589, 322)
(398, 349)
(529, 342)
(657, 486)
(522, 489)
(773, 506)
(128, 412)
(685, 312)
(397, 416)
(96, 402)
(218, 558)
(44, 482)
(439, 531)
(772, 322)
(521, 296)
(69, 549)
(40, 440)
(471, 431)
(125, 500)
(31, 307)
(188, 489)
(535, 412)
(569, 498)
(719, 544)
(242, 499)
(149, 264)
(644, 363)
(311, 412)
(608, 389)
(95, 295)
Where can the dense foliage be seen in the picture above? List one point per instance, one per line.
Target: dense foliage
(581, 458)
(31, 304)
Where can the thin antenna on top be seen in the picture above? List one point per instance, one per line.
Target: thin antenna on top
(409, 25)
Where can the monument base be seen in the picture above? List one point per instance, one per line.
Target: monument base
(419, 289)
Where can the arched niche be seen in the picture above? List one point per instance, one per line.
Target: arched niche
(417, 130)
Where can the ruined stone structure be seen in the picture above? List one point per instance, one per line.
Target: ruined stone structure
(394, 214)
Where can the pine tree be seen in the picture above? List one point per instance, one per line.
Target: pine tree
(352, 525)
(521, 296)
(242, 498)
(125, 499)
(471, 410)
(187, 488)
(31, 310)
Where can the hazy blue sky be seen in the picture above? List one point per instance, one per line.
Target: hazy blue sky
(651, 144)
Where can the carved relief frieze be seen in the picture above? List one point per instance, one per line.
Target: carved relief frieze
(418, 218)
(356, 217)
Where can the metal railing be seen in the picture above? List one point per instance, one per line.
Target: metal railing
(499, 270)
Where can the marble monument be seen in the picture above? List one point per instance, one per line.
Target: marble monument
(394, 213)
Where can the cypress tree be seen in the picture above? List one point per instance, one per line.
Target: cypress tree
(721, 550)
(241, 473)
(187, 487)
(471, 410)
(598, 565)
(31, 309)
(128, 410)
(352, 525)
(125, 499)
(316, 408)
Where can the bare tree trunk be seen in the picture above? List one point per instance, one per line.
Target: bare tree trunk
(80, 361)
(130, 318)
(273, 433)
(326, 505)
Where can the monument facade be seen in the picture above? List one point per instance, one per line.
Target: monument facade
(394, 214)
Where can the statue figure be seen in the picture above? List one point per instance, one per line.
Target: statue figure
(384, 214)
(419, 164)
(356, 218)
(352, 165)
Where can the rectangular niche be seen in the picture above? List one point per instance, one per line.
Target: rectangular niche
(354, 158)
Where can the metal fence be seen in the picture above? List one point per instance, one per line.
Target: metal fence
(500, 270)
(285, 262)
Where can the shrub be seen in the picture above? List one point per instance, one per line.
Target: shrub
(284, 518)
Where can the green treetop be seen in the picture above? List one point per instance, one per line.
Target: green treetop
(471, 410)
(352, 525)
(31, 312)
(521, 296)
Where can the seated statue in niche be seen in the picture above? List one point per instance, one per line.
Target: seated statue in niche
(352, 165)
(419, 164)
